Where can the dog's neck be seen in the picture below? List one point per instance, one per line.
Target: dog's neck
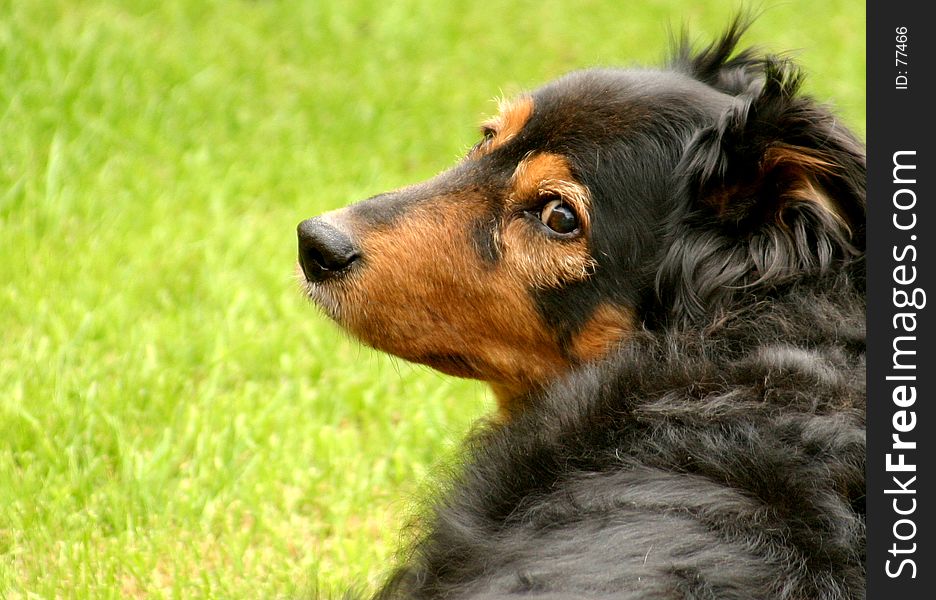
(511, 400)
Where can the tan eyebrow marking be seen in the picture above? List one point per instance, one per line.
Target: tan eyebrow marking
(511, 118)
(526, 254)
(547, 174)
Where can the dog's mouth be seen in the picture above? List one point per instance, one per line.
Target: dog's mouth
(451, 364)
(320, 294)
(326, 295)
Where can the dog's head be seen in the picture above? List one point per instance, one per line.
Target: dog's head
(603, 202)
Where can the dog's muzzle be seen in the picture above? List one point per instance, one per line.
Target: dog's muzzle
(324, 250)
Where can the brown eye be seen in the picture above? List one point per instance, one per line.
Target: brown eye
(559, 217)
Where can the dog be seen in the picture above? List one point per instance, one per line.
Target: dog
(660, 273)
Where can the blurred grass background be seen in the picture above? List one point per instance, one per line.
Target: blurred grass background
(175, 420)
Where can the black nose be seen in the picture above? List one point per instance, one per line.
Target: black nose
(324, 250)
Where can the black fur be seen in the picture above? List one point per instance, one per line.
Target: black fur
(726, 463)
(719, 453)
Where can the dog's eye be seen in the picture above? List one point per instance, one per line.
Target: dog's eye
(559, 217)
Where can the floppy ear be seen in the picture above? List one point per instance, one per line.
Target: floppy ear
(775, 189)
(774, 151)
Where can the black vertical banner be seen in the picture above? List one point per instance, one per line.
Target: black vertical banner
(901, 285)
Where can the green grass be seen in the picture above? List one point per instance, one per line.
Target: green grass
(175, 420)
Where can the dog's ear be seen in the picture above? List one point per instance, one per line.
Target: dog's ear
(719, 64)
(776, 189)
(774, 152)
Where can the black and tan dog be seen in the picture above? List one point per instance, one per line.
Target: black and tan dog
(660, 273)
